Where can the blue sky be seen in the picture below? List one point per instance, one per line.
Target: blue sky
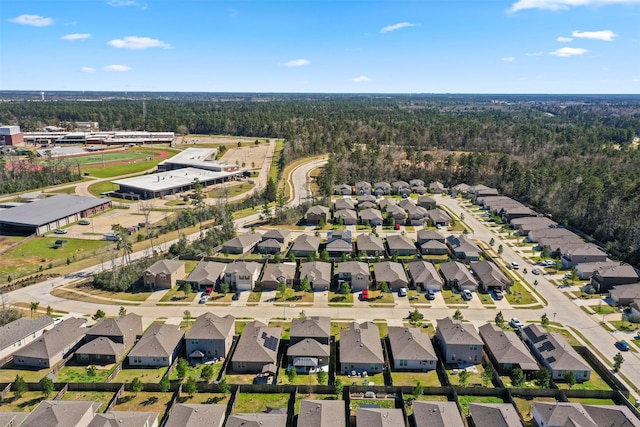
(339, 46)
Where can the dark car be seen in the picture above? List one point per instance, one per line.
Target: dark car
(431, 295)
(498, 293)
(622, 346)
(235, 296)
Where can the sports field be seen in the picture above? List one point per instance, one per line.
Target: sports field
(118, 156)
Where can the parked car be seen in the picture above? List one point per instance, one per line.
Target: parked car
(402, 292)
(396, 227)
(364, 295)
(60, 231)
(204, 299)
(431, 295)
(498, 293)
(622, 346)
(467, 295)
(84, 222)
(235, 296)
(516, 323)
(535, 271)
(515, 265)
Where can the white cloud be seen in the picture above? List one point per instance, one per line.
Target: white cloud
(297, 63)
(122, 3)
(604, 35)
(75, 36)
(132, 42)
(361, 79)
(564, 39)
(564, 4)
(534, 53)
(508, 59)
(33, 20)
(398, 26)
(88, 70)
(569, 51)
(117, 68)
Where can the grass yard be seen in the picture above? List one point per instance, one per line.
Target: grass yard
(26, 403)
(336, 327)
(216, 298)
(258, 402)
(97, 188)
(96, 396)
(525, 406)
(190, 265)
(625, 325)
(382, 403)
(572, 340)
(300, 379)
(194, 371)
(143, 401)
(146, 375)
(296, 297)
(9, 371)
(603, 309)
(286, 327)
(377, 379)
(595, 383)
(451, 297)
(240, 378)
(519, 295)
(240, 324)
(506, 380)
(592, 401)
(205, 398)
(379, 297)
(338, 298)
(78, 374)
(465, 400)
(427, 379)
(383, 328)
(475, 379)
(408, 398)
(175, 294)
(233, 190)
(255, 296)
(300, 397)
(485, 298)
(135, 295)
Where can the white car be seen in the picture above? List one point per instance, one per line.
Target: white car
(515, 265)
(402, 292)
(467, 295)
(60, 231)
(516, 323)
(204, 299)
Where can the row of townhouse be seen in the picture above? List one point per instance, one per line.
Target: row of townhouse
(382, 188)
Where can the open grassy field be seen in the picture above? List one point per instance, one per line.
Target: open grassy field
(96, 396)
(146, 375)
(9, 371)
(136, 294)
(26, 403)
(205, 398)
(143, 401)
(427, 379)
(194, 371)
(78, 374)
(258, 402)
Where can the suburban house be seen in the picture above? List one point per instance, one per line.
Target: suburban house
(159, 346)
(463, 248)
(316, 214)
(427, 202)
(555, 353)
(367, 198)
(436, 187)
(321, 413)
(439, 217)
(52, 346)
(429, 235)
(381, 188)
(509, 213)
(126, 418)
(411, 349)
(370, 245)
(419, 189)
(196, 415)
(210, 337)
(400, 186)
(309, 339)
(206, 274)
(417, 215)
(123, 330)
(338, 247)
(392, 273)
(62, 413)
(436, 414)
(257, 420)
(587, 269)
(433, 247)
(242, 275)
(370, 216)
(525, 224)
(318, 273)
(406, 204)
(256, 348)
(242, 244)
(384, 203)
(554, 233)
(360, 348)
(457, 276)
(100, 351)
(609, 276)
(13, 419)
(379, 417)
(339, 234)
(400, 245)
(625, 294)
(459, 342)
(460, 189)
(396, 213)
(490, 277)
(343, 203)
(306, 245)
(355, 273)
(274, 241)
(413, 183)
(424, 276)
(507, 351)
(347, 216)
(586, 252)
(273, 274)
(481, 190)
(363, 188)
(561, 414)
(343, 189)
(367, 204)
(164, 274)
(21, 332)
(494, 414)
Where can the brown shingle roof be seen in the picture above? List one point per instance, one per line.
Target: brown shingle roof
(258, 343)
(360, 343)
(158, 341)
(208, 326)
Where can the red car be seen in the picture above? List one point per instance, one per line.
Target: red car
(364, 295)
(396, 227)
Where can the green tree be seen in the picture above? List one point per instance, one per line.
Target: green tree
(557, 264)
(34, 307)
(47, 386)
(500, 249)
(570, 378)
(165, 384)
(322, 377)
(207, 373)
(181, 368)
(345, 289)
(19, 387)
(617, 362)
(543, 378)
(415, 317)
(49, 311)
(394, 257)
(270, 191)
(136, 385)
(99, 315)
(384, 287)
(282, 288)
(191, 386)
(224, 288)
(418, 390)
(186, 288)
(492, 242)
(292, 374)
(343, 257)
(277, 258)
(499, 320)
(458, 315)
(338, 386)
(292, 257)
(187, 316)
(224, 386)
(305, 286)
(92, 371)
(487, 376)
(463, 377)
(518, 378)
(324, 256)
(544, 320)
(122, 312)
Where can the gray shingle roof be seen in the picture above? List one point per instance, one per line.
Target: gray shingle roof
(243, 267)
(379, 417)
(258, 343)
(321, 413)
(55, 340)
(208, 326)
(278, 234)
(158, 341)
(626, 291)
(494, 415)
(311, 327)
(196, 415)
(207, 271)
(125, 419)
(554, 349)
(127, 325)
(316, 270)
(360, 343)
(389, 271)
(318, 210)
(490, 275)
(167, 266)
(455, 332)
(369, 242)
(257, 420)
(44, 211)
(457, 271)
(101, 346)
(339, 245)
(424, 272)
(426, 235)
(272, 272)
(308, 347)
(410, 344)
(506, 347)
(570, 414)
(370, 214)
(22, 328)
(436, 414)
(353, 267)
(246, 240)
(306, 242)
(60, 413)
(398, 242)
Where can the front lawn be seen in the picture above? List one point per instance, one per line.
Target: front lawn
(624, 325)
(340, 298)
(379, 297)
(518, 295)
(258, 402)
(427, 379)
(177, 294)
(255, 296)
(603, 309)
(286, 327)
(451, 297)
(296, 297)
(146, 375)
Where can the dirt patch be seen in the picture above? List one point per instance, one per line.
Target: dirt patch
(252, 156)
(101, 224)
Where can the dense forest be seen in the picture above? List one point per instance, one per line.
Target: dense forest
(574, 157)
